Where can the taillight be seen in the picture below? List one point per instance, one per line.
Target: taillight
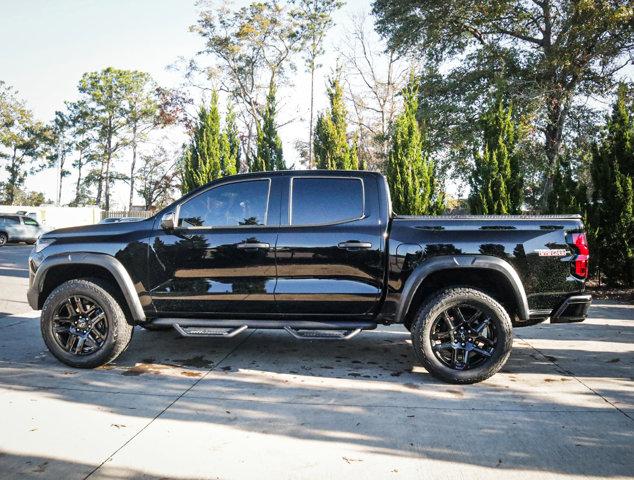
(580, 241)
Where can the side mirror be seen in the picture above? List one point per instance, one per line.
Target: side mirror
(168, 221)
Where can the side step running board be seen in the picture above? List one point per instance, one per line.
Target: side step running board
(299, 329)
(193, 331)
(322, 334)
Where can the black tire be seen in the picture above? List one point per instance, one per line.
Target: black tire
(4, 238)
(155, 328)
(115, 330)
(488, 350)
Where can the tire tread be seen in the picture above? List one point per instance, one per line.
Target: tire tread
(119, 327)
(436, 304)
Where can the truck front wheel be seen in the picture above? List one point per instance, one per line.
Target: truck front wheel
(462, 335)
(83, 325)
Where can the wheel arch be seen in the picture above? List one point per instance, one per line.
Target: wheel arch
(55, 270)
(491, 275)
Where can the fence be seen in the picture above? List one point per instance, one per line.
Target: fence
(126, 213)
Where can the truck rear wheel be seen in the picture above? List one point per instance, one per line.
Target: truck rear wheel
(83, 325)
(462, 335)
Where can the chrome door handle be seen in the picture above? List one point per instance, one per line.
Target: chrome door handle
(355, 245)
(252, 245)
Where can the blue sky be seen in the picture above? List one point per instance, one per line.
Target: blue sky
(52, 43)
(49, 44)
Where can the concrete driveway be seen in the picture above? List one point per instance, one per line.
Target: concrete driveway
(266, 406)
(14, 278)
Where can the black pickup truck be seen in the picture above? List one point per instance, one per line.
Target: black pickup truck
(319, 254)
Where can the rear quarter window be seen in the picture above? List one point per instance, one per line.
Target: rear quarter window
(324, 200)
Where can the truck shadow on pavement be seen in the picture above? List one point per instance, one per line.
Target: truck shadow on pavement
(554, 408)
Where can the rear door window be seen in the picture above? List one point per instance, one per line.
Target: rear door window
(325, 200)
(12, 221)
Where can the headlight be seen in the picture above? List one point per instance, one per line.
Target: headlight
(42, 243)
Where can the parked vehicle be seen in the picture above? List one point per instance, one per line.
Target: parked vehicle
(19, 228)
(319, 254)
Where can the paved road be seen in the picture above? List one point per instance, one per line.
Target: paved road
(14, 278)
(266, 406)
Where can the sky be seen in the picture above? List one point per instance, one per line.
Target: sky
(49, 44)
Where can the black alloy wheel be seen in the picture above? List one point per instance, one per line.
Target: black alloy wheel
(83, 324)
(463, 337)
(80, 325)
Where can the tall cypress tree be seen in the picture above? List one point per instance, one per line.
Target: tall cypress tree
(231, 130)
(229, 146)
(612, 216)
(227, 163)
(202, 158)
(330, 144)
(496, 182)
(269, 145)
(410, 173)
(569, 194)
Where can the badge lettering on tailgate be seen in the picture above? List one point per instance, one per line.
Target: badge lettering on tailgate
(555, 252)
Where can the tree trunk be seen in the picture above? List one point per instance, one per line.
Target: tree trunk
(61, 179)
(556, 117)
(11, 183)
(100, 184)
(78, 185)
(108, 160)
(107, 183)
(132, 167)
(312, 104)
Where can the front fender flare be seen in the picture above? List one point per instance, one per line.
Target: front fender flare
(436, 264)
(111, 264)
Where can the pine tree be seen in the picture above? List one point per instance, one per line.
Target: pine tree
(330, 144)
(356, 160)
(410, 173)
(231, 130)
(227, 163)
(269, 145)
(202, 158)
(612, 216)
(496, 182)
(569, 194)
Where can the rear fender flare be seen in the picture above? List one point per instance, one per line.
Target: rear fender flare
(436, 264)
(111, 264)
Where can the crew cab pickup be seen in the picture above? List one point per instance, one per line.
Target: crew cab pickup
(319, 254)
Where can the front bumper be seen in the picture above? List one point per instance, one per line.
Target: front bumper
(33, 293)
(573, 309)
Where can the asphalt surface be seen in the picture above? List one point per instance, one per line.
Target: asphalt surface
(14, 278)
(266, 406)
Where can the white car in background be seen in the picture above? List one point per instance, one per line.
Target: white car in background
(19, 228)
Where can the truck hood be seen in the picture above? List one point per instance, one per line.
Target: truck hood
(99, 230)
